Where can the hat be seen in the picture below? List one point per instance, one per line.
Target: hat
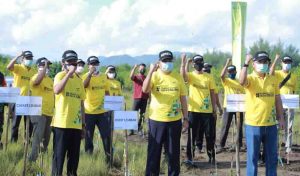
(80, 61)
(41, 61)
(198, 58)
(27, 54)
(207, 65)
(287, 58)
(231, 68)
(92, 60)
(165, 55)
(69, 55)
(261, 55)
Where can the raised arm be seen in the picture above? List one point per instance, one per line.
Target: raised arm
(243, 74)
(147, 82)
(40, 76)
(272, 68)
(86, 82)
(223, 73)
(11, 64)
(183, 71)
(132, 72)
(59, 87)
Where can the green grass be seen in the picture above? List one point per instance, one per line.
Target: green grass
(11, 161)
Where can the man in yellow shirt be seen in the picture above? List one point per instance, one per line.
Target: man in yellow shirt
(168, 107)
(80, 67)
(201, 105)
(96, 87)
(287, 85)
(41, 85)
(231, 86)
(68, 121)
(22, 74)
(262, 95)
(114, 85)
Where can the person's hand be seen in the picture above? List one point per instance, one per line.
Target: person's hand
(220, 112)
(153, 67)
(189, 60)
(277, 56)
(185, 125)
(228, 61)
(135, 66)
(92, 70)
(248, 59)
(282, 123)
(71, 69)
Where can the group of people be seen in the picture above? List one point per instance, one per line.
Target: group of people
(180, 101)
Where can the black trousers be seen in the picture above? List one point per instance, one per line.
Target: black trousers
(201, 124)
(168, 134)
(103, 123)
(15, 126)
(65, 141)
(140, 105)
(226, 122)
(1, 119)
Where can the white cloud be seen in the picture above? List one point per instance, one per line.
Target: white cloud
(138, 27)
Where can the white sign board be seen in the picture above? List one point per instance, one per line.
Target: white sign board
(114, 103)
(9, 94)
(125, 120)
(29, 105)
(235, 103)
(290, 101)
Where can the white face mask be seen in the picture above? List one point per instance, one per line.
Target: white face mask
(79, 69)
(286, 67)
(97, 68)
(47, 70)
(111, 75)
(28, 63)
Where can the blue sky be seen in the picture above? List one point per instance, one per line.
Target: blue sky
(135, 27)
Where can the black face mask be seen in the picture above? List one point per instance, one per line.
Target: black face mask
(198, 66)
(142, 71)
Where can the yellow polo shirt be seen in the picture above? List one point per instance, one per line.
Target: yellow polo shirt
(166, 90)
(22, 76)
(114, 87)
(290, 86)
(231, 86)
(95, 92)
(44, 90)
(260, 100)
(68, 103)
(199, 99)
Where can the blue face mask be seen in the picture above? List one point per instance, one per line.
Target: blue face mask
(262, 68)
(28, 63)
(232, 75)
(167, 66)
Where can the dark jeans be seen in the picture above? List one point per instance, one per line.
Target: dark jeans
(65, 141)
(226, 122)
(140, 105)
(1, 119)
(201, 124)
(168, 134)
(103, 123)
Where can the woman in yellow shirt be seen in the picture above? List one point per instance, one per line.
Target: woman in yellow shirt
(114, 84)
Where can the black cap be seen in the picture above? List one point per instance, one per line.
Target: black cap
(111, 68)
(92, 60)
(198, 59)
(27, 54)
(287, 58)
(261, 55)
(42, 61)
(231, 68)
(69, 55)
(207, 65)
(165, 55)
(80, 61)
